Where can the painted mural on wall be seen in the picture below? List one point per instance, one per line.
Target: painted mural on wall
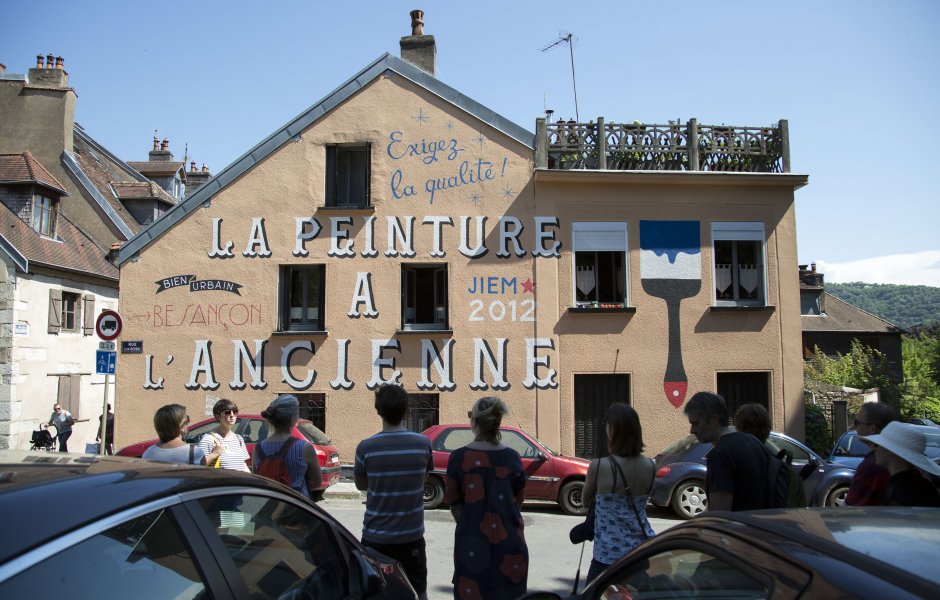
(671, 269)
(426, 169)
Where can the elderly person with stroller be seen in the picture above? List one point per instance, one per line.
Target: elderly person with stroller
(63, 421)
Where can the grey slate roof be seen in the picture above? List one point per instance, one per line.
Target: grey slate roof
(269, 145)
(845, 317)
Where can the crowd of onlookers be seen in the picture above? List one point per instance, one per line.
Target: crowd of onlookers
(485, 482)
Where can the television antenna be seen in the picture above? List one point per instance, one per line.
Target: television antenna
(568, 39)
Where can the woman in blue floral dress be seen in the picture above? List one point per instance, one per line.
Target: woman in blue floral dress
(620, 522)
(485, 489)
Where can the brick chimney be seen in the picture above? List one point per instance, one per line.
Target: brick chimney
(196, 179)
(162, 154)
(50, 73)
(811, 277)
(417, 48)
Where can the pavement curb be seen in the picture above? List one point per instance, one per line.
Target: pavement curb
(343, 490)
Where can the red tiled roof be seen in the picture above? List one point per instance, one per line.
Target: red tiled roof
(24, 168)
(72, 249)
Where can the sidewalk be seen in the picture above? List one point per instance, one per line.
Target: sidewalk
(345, 488)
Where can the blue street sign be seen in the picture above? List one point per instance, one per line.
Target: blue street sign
(105, 361)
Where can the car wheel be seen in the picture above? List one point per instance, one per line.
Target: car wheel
(689, 499)
(570, 498)
(837, 496)
(433, 493)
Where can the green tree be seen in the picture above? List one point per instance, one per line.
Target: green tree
(920, 391)
(861, 367)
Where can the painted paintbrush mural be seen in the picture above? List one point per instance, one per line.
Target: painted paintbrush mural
(671, 269)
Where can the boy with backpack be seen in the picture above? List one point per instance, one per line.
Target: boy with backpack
(784, 485)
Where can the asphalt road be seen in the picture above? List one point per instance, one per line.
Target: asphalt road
(553, 560)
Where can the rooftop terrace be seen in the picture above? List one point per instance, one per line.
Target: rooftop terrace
(568, 145)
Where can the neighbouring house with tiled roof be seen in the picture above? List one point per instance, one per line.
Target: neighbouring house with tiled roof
(55, 280)
(68, 202)
(830, 324)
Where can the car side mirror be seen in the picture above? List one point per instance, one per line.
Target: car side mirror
(540, 456)
(839, 451)
(365, 580)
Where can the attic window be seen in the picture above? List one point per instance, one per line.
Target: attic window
(347, 175)
(44, 213)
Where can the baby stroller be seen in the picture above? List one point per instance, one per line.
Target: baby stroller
(43, 440)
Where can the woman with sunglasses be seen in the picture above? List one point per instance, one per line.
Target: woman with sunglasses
(171, 423)
(234, 453)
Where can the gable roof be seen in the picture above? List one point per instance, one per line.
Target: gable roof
(157, 168)
(269, 145)
(840, 316)
(137, 190)
(24, 168)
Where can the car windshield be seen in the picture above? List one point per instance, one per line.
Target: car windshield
(681, 446)
(313, 433)
(545, 446)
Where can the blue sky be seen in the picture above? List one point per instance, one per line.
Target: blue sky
(858, 81)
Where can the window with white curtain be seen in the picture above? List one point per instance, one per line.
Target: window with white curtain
(600, 264)
(738, 253)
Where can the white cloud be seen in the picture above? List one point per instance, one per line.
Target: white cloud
(918, 268)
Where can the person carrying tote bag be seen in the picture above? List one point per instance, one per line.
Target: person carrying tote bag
(620, 522)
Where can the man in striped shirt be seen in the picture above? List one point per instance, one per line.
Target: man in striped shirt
(392, 466)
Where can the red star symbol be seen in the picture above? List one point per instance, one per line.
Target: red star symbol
(528, 286)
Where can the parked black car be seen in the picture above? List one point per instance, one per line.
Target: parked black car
(113, 527)
(863, 552)
(680, 475)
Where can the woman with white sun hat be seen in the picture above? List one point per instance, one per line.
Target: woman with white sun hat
(900, 449)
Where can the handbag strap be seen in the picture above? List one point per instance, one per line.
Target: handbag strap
(626, 488)
(192, 453)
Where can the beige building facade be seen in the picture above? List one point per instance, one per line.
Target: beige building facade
(397, 231)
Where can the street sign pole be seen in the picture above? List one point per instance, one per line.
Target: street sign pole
(108, 327)
(104, 417)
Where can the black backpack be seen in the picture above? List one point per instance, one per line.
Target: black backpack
(784, 487)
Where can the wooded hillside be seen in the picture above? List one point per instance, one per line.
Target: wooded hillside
(903, 305)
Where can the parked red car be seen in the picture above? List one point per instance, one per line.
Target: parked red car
(254, 428)
(551, 476)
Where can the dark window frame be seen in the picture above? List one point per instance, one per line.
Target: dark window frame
(313, 408)
(285, 305)
(744, 387)
(601, 246)
(729, 241)
(594, 393)
(348, 174)
(70, 318)
(43, 215)
(414, 302)
(424, 410)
